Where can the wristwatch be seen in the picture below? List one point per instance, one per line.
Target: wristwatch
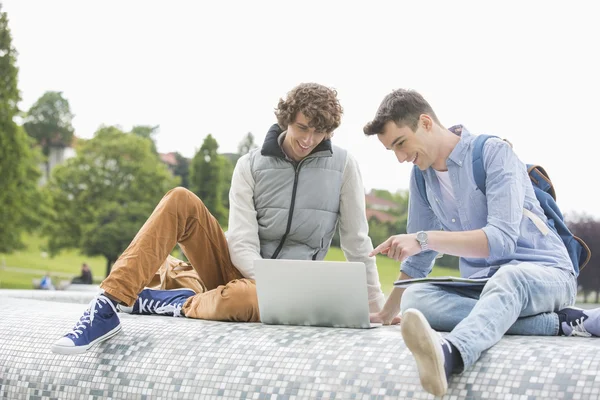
(422, 239)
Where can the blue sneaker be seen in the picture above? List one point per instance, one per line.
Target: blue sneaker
(578, 322)
(99, 322)
(160, 302)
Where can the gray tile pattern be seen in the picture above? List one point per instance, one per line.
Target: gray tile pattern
(175, 358)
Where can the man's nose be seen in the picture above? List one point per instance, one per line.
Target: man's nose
(308, 140)
(401, 156)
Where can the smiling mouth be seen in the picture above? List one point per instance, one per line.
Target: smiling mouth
(414, 160)
(303, 147)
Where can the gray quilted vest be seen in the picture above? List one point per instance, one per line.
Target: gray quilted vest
(298, 204)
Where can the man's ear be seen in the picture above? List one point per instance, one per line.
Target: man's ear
(426, 121)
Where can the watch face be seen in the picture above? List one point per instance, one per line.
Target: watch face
(421, 236)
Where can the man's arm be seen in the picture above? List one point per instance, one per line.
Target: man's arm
(505, 196)
(389, 314)
(242, 234)
(354, 230)
(461, 244)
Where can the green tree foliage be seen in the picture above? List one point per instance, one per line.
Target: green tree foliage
(49, 122)
(379, 231)
(400, 198)
(182, 170)
(229, 161)
(147, 132)
(207, 178)
(246, 144)
(102, 197)
(20, 199)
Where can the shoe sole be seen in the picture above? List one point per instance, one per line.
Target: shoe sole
(423, 343)
(68, 350)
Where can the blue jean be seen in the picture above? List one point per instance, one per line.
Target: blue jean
(520, 299)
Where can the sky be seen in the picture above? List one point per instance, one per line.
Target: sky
(526, 71)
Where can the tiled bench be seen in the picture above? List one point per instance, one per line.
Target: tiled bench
(159, 357)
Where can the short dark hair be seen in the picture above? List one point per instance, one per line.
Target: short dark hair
(404, 107)
(317, 102)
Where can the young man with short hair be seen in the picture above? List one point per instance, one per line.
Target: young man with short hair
(501, 234)
(286, 200)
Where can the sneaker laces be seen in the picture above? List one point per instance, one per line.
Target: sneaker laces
(149, 306)
(578, 329)
(88, 317)
(156, 307)
(175, 309)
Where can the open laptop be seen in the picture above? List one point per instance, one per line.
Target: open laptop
(313, 293)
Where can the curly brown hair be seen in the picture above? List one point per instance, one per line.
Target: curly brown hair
(318, 103)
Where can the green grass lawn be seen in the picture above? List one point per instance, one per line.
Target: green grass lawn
(62, 267)
(67, 264)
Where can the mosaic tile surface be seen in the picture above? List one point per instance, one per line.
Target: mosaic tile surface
(159, 357)
(63, 296)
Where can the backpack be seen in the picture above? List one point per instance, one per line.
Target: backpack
(578, 250)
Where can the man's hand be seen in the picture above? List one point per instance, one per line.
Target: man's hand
(398, 247)
(383, 318)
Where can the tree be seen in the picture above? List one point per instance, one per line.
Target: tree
(20, 198)
(102, 197)
(229, 161)
(207, 179)
(246, 144)
(400, 198)
(379, 232)
(182, 170)
(49, 122)
(148, 133)
(588, 229)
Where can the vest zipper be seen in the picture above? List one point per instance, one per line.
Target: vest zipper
(289, 223)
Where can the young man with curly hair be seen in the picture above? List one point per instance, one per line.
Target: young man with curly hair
(286, 199)
(501, 234)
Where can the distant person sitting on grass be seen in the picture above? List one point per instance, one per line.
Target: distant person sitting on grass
(46, 283)
(86, 276)
(501, 234)
(286, 200)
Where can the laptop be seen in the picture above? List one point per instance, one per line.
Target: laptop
(313, 293)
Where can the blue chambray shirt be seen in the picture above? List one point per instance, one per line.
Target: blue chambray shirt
(512, 236)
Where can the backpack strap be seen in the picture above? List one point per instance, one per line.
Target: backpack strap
(420, 181)
(478, 166)
(540, 177)
(585, 251)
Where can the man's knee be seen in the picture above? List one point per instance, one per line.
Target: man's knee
(414, 297)
(239, 301)
(235, 301)
(508, 276)
(242, 290)
(178, 193)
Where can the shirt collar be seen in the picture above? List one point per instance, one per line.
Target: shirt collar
(459, 152)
